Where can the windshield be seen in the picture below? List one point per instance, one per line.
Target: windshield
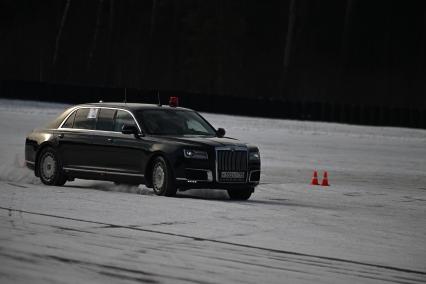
(174, 122)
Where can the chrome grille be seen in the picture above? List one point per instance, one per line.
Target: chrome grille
(231, 160)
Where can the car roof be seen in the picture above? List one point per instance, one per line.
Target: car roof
(131, 106)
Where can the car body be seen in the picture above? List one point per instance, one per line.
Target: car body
(167, 148)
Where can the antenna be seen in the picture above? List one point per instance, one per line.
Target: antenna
(125, 95)
(158, 98)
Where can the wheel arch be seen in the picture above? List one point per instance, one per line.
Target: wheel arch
(149, 166)
(40, 149)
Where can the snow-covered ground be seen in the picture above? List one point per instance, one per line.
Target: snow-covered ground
(367, 227)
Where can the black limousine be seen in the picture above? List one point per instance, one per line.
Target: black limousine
(167, 148)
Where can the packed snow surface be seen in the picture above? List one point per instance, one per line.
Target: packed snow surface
(367, 227)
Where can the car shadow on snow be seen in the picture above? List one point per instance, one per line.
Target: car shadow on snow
(287, 203)
(221, 195)
(109, 186)
(203, 194)
(206, 194)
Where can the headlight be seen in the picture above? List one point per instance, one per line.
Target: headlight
(254, 156)
(195, 154)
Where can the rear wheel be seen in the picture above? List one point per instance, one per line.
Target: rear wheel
(50, 168)
(162, 178)
(240, 194)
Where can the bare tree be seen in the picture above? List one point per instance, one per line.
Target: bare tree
(150, 39)
(61, 27)
(344, 45)
(95, 34)
(289, 40)
(109, 48)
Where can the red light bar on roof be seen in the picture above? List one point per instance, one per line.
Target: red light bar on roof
(174, 101)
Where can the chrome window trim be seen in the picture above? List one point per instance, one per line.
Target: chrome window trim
(90, 130)
(101, 172)
(66, 118)
(98, 107)
(229, 148)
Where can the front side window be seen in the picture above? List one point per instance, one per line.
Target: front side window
(85, 118)
(174, 122)
(122, 118)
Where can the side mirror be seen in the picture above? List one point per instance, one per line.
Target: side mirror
(129, 129)
(220, 132)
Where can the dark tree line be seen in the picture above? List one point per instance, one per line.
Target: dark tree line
(359, 52)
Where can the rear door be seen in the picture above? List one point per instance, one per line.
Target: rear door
(103, 139)
(75, 139)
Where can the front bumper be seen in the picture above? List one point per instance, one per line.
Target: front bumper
(203, 174)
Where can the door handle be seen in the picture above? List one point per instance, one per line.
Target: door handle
(61, 135)
(110, 140)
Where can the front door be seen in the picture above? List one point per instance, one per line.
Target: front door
(114, 151)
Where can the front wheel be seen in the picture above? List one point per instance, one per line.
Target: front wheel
(240, 194)
(50, 168)
(162, 178)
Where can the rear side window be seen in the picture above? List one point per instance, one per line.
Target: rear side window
(105, 119)
(70, 121)
(86, 118)
(57, 121)
(122, 118)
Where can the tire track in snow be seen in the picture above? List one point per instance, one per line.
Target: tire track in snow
(367, 270)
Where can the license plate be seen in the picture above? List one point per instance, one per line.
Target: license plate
(232, 175)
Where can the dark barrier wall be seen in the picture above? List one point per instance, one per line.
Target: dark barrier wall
(318, 111)
(357, 61)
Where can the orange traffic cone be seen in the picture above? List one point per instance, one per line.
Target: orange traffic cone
(325, 180)
(315, 179)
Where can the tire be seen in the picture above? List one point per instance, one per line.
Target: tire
(162, 178)
(50, 168)
(240, 194)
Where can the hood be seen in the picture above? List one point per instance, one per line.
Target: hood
(205, 141)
